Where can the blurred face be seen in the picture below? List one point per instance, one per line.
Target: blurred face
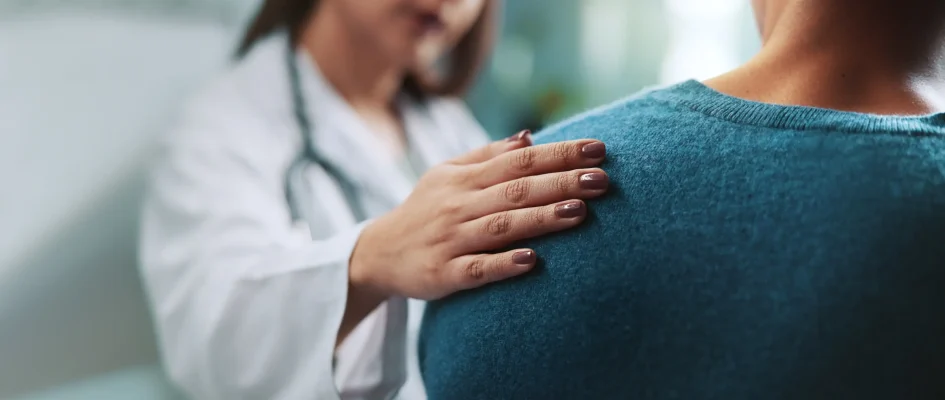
(414, 33)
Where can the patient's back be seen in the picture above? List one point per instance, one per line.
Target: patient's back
(745, 251)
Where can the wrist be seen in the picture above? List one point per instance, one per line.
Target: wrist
(362, 266)
(364, 295)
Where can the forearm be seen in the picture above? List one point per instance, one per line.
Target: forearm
(361, 301)
(363, 297)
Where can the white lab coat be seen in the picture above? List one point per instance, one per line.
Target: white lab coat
(247, 303)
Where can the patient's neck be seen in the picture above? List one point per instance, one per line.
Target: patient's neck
(852, 59)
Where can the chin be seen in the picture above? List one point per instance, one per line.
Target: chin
(407, 53)
(427, 53)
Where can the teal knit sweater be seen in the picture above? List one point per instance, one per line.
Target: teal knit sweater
(745, 251)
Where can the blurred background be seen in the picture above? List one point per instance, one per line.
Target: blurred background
(87, 86)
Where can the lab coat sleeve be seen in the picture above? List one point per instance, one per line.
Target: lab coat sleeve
(246, 305)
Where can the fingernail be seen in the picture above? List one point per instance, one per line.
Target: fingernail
(524, 257)
(594, 150)
(594, 181)
(571, 209)
(519, 136)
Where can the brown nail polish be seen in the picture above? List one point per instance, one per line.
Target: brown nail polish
(519, 136)
(594, 181)
(524, 257)
(594, 150)
(571, 209)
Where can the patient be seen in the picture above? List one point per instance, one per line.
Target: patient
(777, 232)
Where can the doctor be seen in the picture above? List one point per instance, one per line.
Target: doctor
(290, 217)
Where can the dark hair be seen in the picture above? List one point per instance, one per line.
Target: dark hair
(463, 62)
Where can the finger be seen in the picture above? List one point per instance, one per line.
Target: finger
(539, 190)
(472, 271)
(543, 159)
(485, 153)
(501, 229)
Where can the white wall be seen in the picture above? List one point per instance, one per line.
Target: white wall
(83, 97)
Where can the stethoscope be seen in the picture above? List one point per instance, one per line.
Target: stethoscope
(309, 154)
(294, 176)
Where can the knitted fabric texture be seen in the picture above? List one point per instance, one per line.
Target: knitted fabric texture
(744, 251)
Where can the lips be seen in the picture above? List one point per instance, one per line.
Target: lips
(428, 22)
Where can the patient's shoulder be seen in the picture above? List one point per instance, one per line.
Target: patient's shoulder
(637, 114)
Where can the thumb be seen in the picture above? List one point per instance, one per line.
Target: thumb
(487, 152)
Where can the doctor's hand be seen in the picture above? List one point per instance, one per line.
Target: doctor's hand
(441, 239)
